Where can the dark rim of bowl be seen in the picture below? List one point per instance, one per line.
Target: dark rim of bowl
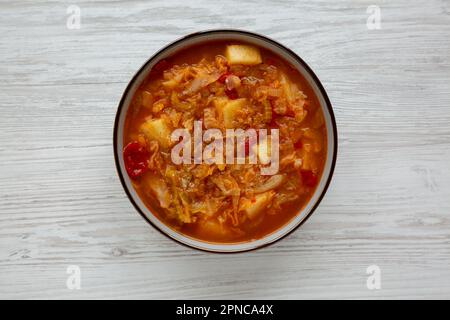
(266, 39)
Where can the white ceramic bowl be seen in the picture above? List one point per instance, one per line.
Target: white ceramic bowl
(287, 55)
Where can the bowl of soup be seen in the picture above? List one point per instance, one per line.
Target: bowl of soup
(225, 141)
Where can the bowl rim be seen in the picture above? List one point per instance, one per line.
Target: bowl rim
(250, 34)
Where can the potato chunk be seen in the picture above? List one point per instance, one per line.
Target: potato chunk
(253, 208)
(230, 110)
(157, 129)
(219, 103)
(309, 159)
(212, 228)
(243, 54)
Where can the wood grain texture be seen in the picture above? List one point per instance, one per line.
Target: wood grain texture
(61, 202)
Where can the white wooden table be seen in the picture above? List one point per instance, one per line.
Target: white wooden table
(61, 202)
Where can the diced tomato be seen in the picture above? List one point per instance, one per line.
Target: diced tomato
(309, 178)
(290, 113)
(232, 94)
(298, 144)
(136, 159)
(223, 77)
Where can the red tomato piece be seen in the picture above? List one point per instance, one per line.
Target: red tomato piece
(298, 144)
(232, 94)
(136, 159)
(309, 178)
(273, 124)
(223, 77)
